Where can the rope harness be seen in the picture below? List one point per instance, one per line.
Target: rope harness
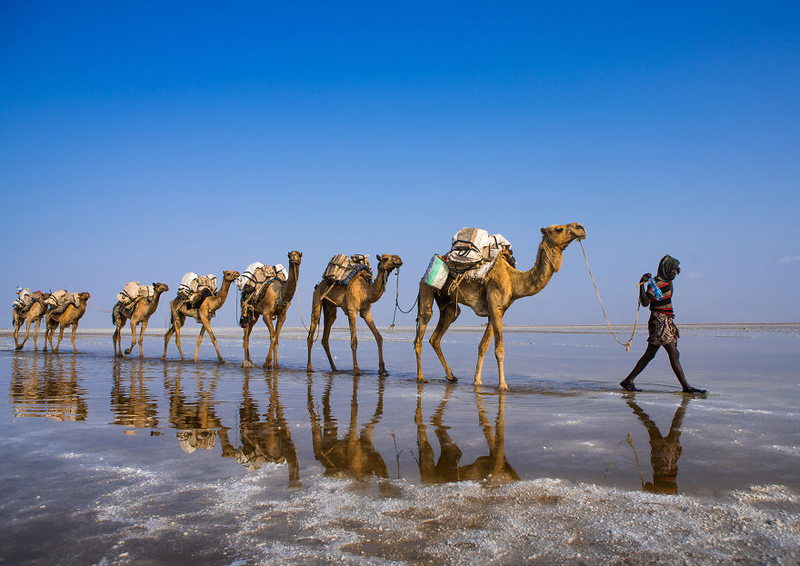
(397, 301)
(627, 344)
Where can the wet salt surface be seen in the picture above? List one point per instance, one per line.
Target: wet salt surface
(141, 461)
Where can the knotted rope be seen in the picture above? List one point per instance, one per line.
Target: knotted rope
(397, 300)
(627, 344)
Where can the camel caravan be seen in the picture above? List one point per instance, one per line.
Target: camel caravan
(479, 271)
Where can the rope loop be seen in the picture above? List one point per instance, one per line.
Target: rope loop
(627, 344)
(397, 300)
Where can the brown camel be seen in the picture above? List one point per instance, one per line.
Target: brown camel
(34, 314)
(141, 315)
(491, 297)
(271, 303)
(202, 314)
(354, 299)
(67, 317)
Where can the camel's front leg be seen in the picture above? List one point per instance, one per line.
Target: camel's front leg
(366, 314)
(167, 335)
(141, 338)
(351, 318)
(36, 334)
(483, 347)
(271, 327)
(316, 310)
(133, 338)
(27, 332)
(278, 326)
(207, 328)
(48, 335)
(74, 330)
(17, 325)
(330, 316)
(496, 321)
(248, 362)
(114, 340)
(199, 341)
(424, 314)
(177, 326)
(60, 336)
(448, 313)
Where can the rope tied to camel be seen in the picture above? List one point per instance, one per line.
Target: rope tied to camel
(397, 300)
(104, 310)
(627, 344)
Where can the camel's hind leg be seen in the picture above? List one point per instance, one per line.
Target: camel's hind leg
(17, 324)
(207, 327)
(74, 330)
(60, 336)
(36, 334)
(330, 316)
(278, 325)
(351, 318)
(27, 332)
(116, 339)
(175, 328)
(271, 328)
(246, 342)
(448, 313)
(366, 314)
(141, 338)
(483, 347)
(133, 338)
(424, 314)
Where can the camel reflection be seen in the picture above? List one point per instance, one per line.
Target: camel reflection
(494, 467)
(47, 387)
(664, 450)
(196, 420)
(354, 455)
(131, 404)
(264, 439)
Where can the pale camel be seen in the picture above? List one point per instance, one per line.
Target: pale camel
(67, 317)
(490, 298)
(271, 303)
(203, 314)
(141, 315)
(354, 299)
(35, 314)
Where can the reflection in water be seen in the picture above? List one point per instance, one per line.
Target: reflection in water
(354, 455)
(664, 450)
(196, 421)
(130, 402)
(267, 440)
(493, 467)
(52, 391)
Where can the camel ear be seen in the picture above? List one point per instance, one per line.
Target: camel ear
(542, 230)
(379, 257)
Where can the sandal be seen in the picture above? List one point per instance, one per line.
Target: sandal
(628, 386)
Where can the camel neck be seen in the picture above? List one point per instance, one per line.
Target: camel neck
(548, 262)
(378, 287)
(291, 282)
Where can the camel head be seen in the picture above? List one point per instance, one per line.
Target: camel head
(84, 297)
(295, 257)
(389, 262)
(160, 287)
(230, 276)
(560, 236)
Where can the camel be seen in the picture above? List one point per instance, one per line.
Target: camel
(271, 303)
(141, 315)
(34, 314)
(490, 298)
(202, 314)
(354, 299)
(67, 317)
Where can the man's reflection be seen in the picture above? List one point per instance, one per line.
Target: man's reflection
(267, 440)
(130, 402)
(664, 450)
(52, 391)
(197, 422)
(494, 466)
(354, 455)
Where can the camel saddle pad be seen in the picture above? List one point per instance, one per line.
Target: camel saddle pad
(129, 293)
(57, 298)
(342, 269)
(23, 300)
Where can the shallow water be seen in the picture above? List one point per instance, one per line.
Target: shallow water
(128, 461)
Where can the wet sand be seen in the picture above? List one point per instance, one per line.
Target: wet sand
(128, 461)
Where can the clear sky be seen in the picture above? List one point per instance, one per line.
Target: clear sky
(139, 141)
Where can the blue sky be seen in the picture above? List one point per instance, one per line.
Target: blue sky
(139, 142)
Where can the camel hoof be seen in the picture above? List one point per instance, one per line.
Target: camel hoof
(248, 364)
(309, 370)
(163, 358)
(356, 373)
(422, 380)
(127, 352)
(383, 373)
(454, 379)
(19, 347)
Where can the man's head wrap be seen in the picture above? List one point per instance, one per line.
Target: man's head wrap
(667, 268)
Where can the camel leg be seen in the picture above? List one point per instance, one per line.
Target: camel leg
(330, 316)
(17, 324)
(167, 336)
(36, 334)
(207, 328)
(60, 336)
(27, 331)
(74, 330)
(351, 318)
(114, 338)
(177, 326)
(316, 309)
(366, 314)
(271, 327)
(199, 341)
(424, 314)
(47, 335)
(141, 338)
(278, 326)
(483, 347)
(496, 321)
(448, 313)
(246, 341)
(133, 338)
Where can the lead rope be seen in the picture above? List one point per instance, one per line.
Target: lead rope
(94, 305)
(397, 301)
(627, 344)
